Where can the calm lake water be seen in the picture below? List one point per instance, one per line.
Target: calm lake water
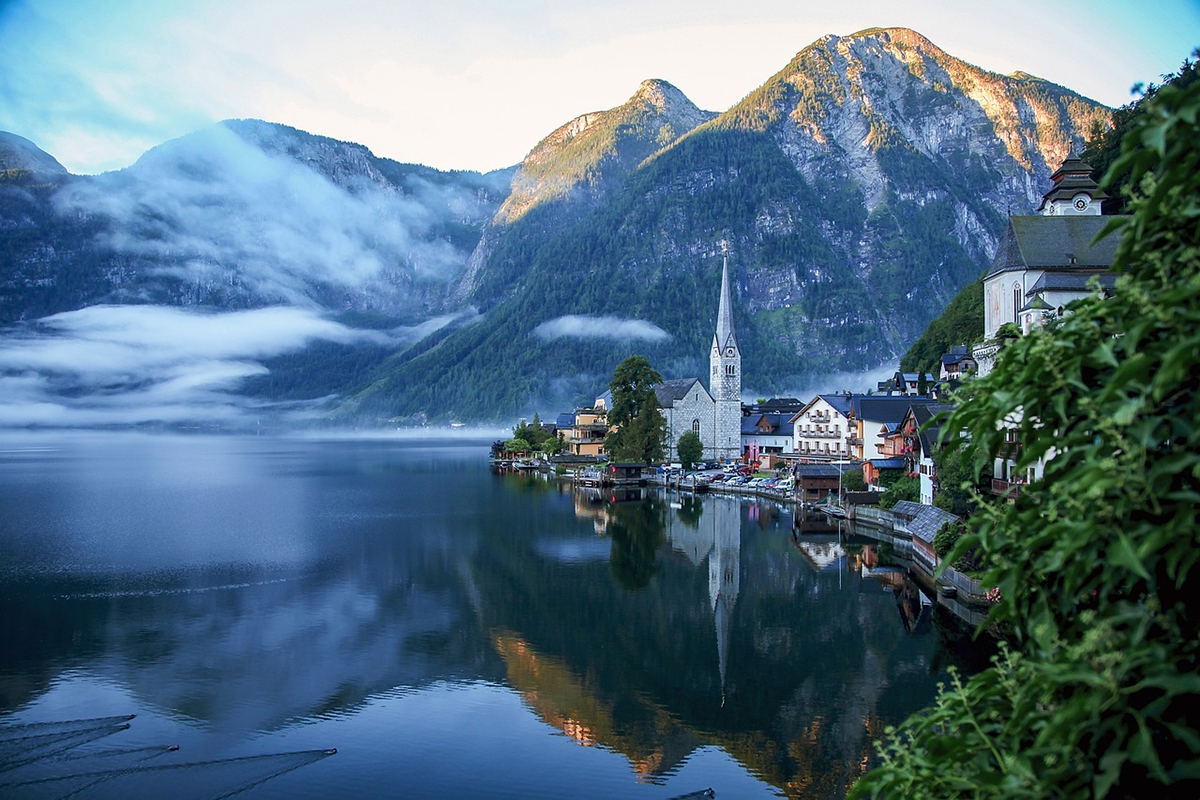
(451, 632)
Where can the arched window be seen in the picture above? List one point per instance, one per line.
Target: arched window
(1016, 300)
(696, 427)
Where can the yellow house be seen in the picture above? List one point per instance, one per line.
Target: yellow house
(586, 436)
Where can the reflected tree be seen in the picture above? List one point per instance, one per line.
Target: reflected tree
(637, 531)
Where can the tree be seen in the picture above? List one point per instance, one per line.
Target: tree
(922, 383)
(691, 449)
(905, 487)
(640, 426)
(959, 485)
(1098, 694)
(852, 481)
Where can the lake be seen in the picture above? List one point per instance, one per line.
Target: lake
(258, 602)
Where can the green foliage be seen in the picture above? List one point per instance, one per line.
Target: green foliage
(516, 445)
(946, 537)
(906, 487)
(640, 426)
(961, 484)
(852, 481)
(960, 323)
(690, 449)
(1096, 563)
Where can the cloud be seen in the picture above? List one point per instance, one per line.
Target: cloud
(587, 327)
(118, 365)
(230, 217)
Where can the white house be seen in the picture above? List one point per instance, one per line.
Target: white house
(820, 429)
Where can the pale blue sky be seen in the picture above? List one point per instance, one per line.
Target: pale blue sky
(469, 84)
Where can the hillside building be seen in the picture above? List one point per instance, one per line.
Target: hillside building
(1045, 261)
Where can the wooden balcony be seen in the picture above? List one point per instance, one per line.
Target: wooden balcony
(1006, 489)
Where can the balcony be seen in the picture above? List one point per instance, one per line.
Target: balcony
(854, 440)
(1005, 489)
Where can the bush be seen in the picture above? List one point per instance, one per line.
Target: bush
(905, 487)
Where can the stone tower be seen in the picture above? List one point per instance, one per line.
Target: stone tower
(725, 379)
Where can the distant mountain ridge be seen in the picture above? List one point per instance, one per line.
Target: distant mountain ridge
(856, 191)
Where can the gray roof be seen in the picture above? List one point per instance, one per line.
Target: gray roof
(725, 336)
(670, 391)
(840, 402)
(1073, 176)
(564, 421)
(923, 521)
(927, 432)
(1055, 243)
(885, 409)
(777, 421)
(1074, 281)
(824, 470)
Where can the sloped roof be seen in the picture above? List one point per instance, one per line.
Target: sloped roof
(776, 421)
(884, 410)
(670, 391)
(923, 521)
(1055, 243)
(927, 432)
(887, 463)
(824, 470)
(1075, 281)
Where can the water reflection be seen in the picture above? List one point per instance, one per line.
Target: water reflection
(648, 625)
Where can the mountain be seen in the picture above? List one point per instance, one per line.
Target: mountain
(18, 154)
(855, 193)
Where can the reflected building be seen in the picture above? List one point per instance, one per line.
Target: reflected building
(715, 534)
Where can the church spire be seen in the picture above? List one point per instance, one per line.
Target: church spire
(725, 336)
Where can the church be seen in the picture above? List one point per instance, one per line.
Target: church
(1046, 260)
(714, 413)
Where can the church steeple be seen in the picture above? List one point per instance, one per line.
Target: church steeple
(725, 337)
(725, 376)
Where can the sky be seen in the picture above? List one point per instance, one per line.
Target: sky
(470, 84)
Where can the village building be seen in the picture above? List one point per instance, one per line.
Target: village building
(766, 437)
(956, 364)
(820, 429)
(873, 418)
(1045, 261)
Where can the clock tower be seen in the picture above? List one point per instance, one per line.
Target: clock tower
(1074, 193)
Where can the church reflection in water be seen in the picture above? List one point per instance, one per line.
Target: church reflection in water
(717, 628)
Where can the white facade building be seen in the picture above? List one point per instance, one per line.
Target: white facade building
(820, 429)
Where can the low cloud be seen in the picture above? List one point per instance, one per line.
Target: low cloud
(121, 365)
(226, 211)
(586, 327)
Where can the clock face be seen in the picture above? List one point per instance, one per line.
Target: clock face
(1081, 203)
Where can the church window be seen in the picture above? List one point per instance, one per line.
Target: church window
(696, 427)
(1016, 300)
(730, 369)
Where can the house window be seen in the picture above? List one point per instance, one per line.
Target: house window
(696, 427)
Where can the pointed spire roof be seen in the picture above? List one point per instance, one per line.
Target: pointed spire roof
(725, 336)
